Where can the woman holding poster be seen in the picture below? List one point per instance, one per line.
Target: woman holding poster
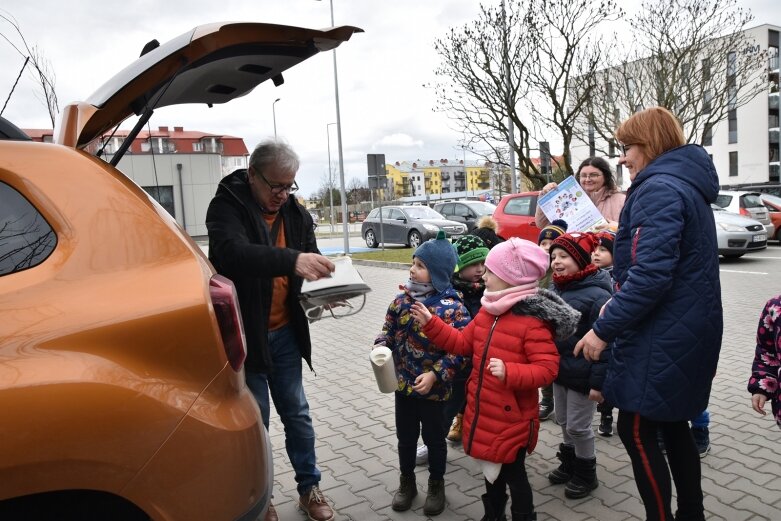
(597, 180)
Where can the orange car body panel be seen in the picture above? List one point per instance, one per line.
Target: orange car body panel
(113, 376)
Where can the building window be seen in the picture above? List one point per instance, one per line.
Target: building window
(706, 69)
(198, 147)
(26, 239)
(163, 195)
(732, 63)
(706, 102)
(733, 164)
(707, 136)
(732, 120)
(592, 146)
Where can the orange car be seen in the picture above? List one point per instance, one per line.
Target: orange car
(121, 351)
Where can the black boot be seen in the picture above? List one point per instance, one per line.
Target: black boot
(563, 474)
(546, 404)
(584, 478)
(494, 511)
(408, 489)
(435, 497)
(518, 516)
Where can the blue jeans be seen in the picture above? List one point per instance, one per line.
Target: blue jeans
(287, 390)
(702, 421)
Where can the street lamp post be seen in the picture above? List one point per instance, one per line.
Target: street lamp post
(346, 217)
(330, 178)
(274, 114)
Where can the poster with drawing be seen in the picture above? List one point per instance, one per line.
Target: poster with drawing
(570, 202)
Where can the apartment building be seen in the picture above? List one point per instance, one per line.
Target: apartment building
(179, 168)
(437, 179)
(745, 145)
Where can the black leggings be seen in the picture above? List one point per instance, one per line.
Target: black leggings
(652, 475)
(513, 475)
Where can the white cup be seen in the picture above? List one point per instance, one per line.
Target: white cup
(384, 369)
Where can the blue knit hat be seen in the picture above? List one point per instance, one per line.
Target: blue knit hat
(553, 231)
(440, 259)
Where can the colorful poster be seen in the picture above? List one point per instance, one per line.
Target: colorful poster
(570, 202)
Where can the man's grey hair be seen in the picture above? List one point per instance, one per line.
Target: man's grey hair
(273, 153)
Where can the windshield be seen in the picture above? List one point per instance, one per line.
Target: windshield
(772, 199)
(422, 212)
(751, 201)
(482, 208)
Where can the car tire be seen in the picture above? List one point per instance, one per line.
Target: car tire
(414, 239)
(371, 240)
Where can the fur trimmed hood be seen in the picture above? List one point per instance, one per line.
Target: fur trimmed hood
(551, 308)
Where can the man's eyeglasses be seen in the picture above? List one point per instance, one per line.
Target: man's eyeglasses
(279, 189)
(589, 176)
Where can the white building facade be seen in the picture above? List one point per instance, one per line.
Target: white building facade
(745, 145)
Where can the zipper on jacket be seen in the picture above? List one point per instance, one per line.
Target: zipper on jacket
(480, 376)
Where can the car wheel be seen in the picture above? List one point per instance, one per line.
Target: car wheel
(371, 240)
(733, 255)
(414, 239)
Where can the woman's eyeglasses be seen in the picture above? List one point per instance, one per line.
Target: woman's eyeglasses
(589, 176)
(624, 148)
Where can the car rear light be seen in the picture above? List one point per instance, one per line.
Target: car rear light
(745, 212)
(226, 308)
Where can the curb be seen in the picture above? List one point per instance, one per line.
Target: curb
(382, 264)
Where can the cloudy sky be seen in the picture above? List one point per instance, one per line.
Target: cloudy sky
(385, 107)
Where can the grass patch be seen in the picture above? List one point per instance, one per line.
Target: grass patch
(388, 255)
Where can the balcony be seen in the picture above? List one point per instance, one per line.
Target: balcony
(446, 177)
(772, 100)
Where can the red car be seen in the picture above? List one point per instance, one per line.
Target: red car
(773, 205)
(515, 216)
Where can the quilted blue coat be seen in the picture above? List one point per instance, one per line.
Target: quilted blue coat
(665, 319)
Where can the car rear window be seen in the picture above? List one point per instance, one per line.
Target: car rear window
(723, 200)
(519, 206)
(751, 201)
(26, 239)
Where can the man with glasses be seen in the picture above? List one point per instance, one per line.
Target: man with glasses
(262, 239)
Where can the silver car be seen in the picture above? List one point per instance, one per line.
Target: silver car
(409, 225)
(748, 204)
(737, 234)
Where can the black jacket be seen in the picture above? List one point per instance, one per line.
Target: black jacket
(587, 296)
(239, 248)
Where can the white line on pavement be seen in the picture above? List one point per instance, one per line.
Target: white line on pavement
(746, 272)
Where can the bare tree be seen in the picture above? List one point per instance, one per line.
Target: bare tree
(42, 71)
(474, 90)
(357, 191)
(520, 60)
(566, 52)
(689, 56)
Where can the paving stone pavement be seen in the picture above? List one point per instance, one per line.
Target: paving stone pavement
(356, 443)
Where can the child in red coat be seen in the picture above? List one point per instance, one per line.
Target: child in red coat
(511, 342)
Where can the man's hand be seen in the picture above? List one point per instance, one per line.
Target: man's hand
(591, 345)
(420, 313)
(313, 266)
(424, 382)
(595, 396)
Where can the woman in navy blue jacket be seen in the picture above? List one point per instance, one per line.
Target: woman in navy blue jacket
(665, 319)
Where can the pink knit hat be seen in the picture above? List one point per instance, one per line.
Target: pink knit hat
(518, 261)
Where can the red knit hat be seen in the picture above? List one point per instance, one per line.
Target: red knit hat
(579, 245)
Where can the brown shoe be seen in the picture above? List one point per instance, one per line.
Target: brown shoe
(271, 513)
(455, 429)
(315, 505)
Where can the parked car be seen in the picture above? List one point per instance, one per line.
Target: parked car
(772, 188)
(773, 205)
(466, 212)
(122, 384)
(737, 234)
(747, 204)
(409, 225)
(514, 216)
